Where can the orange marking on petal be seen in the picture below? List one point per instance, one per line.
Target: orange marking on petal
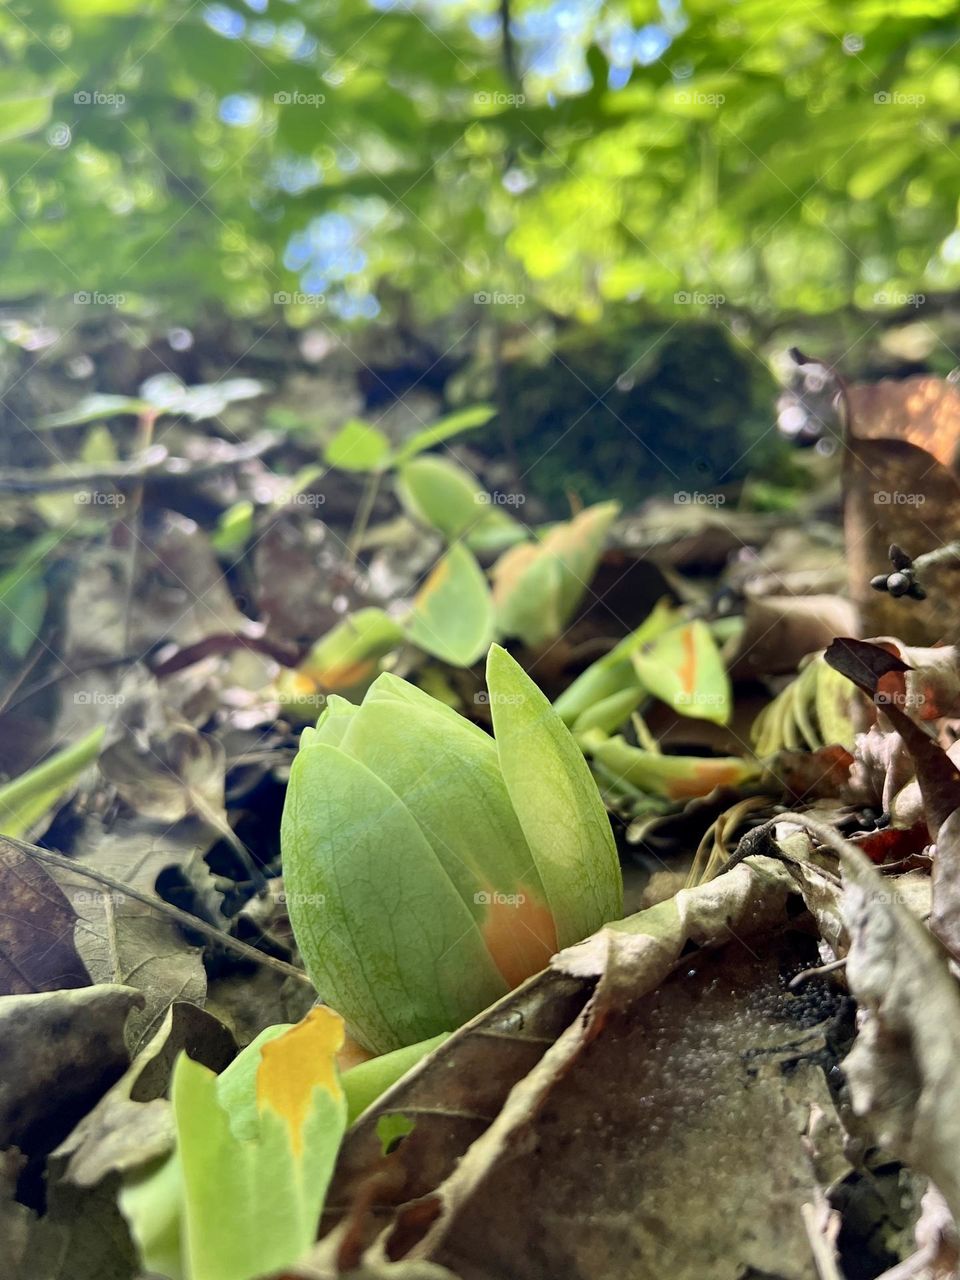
(295, 1064)
(688, 667)
(520, 933)
(704, 778)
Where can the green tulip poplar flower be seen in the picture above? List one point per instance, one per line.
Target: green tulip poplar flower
(429, 868)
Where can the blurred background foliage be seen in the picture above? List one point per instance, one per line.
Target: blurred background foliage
(595, 212)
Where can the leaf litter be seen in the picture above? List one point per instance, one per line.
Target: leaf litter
(753, 1075)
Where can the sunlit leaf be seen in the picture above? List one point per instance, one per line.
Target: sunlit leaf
(443, 495)
(24, 107)
(255, 1148)
(452, 425)
(452, 614)
(349, 653)
(536, 588)
(614, 672)
(358, 446)
(683, 668)
(556, 801)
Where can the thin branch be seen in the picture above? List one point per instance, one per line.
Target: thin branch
(183, 918)
(156, 465)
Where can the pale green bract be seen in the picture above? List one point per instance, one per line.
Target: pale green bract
(429, 868)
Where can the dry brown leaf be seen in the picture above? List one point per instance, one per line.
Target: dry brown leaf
(37, 951)
(476, 1100)
(900, 486)
(902, 1070)
(132, 1123)
(59, 1053)
(923, 410)
(780, 630)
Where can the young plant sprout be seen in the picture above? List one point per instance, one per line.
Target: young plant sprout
(429, 868)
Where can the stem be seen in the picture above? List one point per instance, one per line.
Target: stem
(941, 555)
(51, 775)
(364, 511)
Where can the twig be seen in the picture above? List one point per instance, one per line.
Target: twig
(506, 45)
(940, 555)
(760, 842)
(830, 967)
(287, 655)
(824, 833)
(183, 918)
(157, 465)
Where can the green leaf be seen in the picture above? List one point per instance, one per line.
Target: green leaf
(556, 801)
(28, 798)
(99, 446)
(453, 425)
(537, 588)
(23, 593)
(364, 1083)
(24, 107)
(613, 673)
(234, 528)
(611, 712)
(452, 614)
(357, 446)
(346, 656)
(683, 668)
(371, 903)
(93, 408)
(673, 777)
(255, 1150)
(441, 494)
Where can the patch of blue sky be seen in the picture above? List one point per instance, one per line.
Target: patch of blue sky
(354, 306)
(225, 21)
(240, 109)
(296, 174)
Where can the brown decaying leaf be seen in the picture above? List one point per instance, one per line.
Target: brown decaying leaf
(938, 1248)
(81, 1236)
(923, 410)
(647, 1180)
(59, 1053)
(883, 676)
(475, 1099)
(132, 1125)
(161, 766)
(899, 486)
(299, 568)
(780, 630)
(123, 940)
(37, 951)
(945, 901)
(902, 1070)
(180, 594)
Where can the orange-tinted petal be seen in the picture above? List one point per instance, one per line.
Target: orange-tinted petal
(520, 933)
(295, 1064)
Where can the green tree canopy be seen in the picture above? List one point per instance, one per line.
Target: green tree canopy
(562, 155)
